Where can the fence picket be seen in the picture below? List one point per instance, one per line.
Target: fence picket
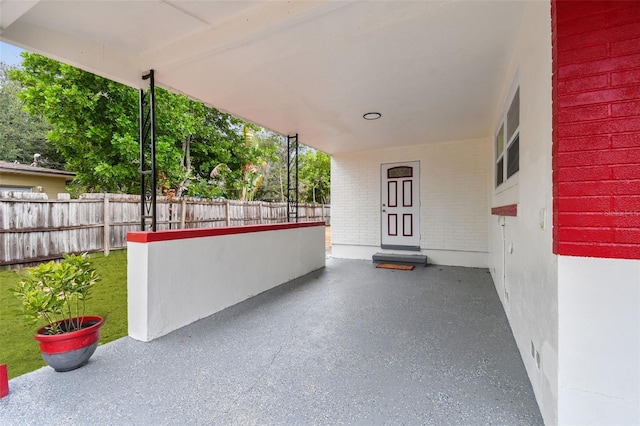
(34, 229)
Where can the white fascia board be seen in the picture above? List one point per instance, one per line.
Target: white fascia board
(99, 59)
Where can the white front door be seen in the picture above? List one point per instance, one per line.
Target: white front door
(400, 208)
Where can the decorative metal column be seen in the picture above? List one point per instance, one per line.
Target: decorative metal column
(148, 178)
(292, 178)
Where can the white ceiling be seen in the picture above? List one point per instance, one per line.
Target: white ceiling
(433, 69)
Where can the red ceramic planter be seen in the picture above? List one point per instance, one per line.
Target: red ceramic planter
(68, 351)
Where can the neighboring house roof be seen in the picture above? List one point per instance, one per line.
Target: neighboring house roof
(23, 169)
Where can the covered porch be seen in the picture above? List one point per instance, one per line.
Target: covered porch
(348, 344)
(557, 230)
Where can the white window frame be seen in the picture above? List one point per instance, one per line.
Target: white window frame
(507, 182)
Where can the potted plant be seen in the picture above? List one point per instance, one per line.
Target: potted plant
(54, 294)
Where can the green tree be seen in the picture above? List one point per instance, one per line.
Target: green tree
(274, 187)
(314, 176)
(93, 121)
(22, 134)
(314, 172)
(95, 129)
(257, 156)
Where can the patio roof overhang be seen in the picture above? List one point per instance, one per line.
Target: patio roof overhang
(433, 69)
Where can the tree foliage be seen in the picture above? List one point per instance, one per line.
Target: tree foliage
(274, 187)
(22, 134)
(314, 172)
(314, 176)
(95, 128)
(91, 128)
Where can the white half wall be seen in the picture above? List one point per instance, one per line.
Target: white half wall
(175, 282)
(453, 201)
(599, 339)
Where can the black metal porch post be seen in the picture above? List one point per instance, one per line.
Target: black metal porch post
(148, 178)
(292, 178)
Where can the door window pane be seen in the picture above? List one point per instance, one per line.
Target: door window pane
(400, 172)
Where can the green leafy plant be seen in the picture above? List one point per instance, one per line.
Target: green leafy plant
(55, 293)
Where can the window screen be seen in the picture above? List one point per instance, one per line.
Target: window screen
(500, 142)
(513, 116)
(513, 157)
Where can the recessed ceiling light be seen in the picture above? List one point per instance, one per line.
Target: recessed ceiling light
(372, 116)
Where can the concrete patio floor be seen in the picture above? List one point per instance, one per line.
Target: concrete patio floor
(349, 344)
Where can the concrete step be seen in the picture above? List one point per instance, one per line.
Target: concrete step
(401, 259)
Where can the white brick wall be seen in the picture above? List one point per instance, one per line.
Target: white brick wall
(521, 259)
(453, 196)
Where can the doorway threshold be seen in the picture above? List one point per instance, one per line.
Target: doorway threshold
(405, 248)
(402, 259)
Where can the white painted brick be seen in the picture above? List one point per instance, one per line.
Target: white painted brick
(453, 194)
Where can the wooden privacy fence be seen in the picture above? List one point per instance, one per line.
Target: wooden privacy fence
(34, 229)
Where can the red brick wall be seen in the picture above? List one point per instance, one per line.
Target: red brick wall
(596, 128)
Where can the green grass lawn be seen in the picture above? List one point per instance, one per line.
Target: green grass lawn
(20, 351)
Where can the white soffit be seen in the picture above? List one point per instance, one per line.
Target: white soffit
(433, 69)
